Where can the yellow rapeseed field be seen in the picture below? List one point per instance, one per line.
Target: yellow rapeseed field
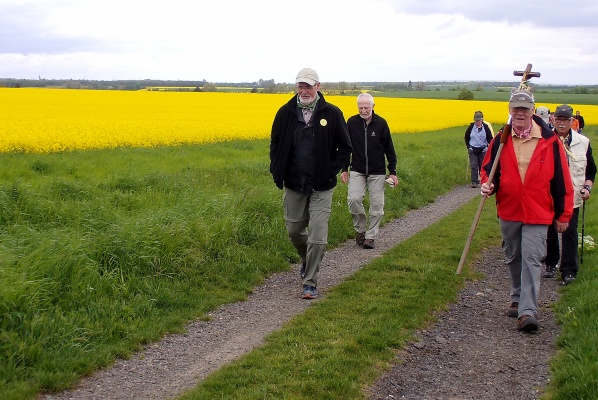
(54, 120)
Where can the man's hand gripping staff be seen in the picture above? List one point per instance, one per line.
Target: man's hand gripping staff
(488, 187)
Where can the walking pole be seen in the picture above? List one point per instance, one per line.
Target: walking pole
(583, 227)
(503, 138)
(525, 76)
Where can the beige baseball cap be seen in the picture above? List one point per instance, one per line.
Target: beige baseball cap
(307, 75)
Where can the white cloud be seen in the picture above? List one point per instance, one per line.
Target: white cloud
(349, 40)
(573, 13)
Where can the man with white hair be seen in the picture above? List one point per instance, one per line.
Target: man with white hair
(372, 143)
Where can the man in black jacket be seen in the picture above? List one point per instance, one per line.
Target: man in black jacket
(582, 122)
(309, 146)
(371, 140)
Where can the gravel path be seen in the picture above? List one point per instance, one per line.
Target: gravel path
(473, 352)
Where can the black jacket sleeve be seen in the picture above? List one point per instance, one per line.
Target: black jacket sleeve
(591, 165)
(468, 135)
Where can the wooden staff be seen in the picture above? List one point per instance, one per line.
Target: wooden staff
(525, 76)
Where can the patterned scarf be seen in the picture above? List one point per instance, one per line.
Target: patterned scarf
(523, 133)
(310, 106)
(308, 109)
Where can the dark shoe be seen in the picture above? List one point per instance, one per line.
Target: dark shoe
(309, 292)
(549, 272)
(567, 279)
(527, 324)
(303, 266)
(360, 239)
(368, 244)
(513, 310)
(474, 184)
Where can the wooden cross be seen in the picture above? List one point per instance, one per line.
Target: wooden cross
(526, 75)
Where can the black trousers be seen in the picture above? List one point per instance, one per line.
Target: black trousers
(569, 262)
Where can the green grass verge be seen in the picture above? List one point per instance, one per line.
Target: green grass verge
(575, 367)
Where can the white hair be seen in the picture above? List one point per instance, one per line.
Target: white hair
(366, 96)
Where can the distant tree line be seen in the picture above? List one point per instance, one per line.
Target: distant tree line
(270, 86)
(178, 85)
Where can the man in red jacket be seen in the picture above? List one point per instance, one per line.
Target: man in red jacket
(533, 190)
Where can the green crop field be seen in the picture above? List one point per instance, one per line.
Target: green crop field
(543, 96)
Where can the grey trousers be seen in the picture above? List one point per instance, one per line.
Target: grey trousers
(525, 247)
(475, 163)
(356, 194)
(306, 217)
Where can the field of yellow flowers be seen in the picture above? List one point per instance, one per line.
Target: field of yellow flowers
(54, 120)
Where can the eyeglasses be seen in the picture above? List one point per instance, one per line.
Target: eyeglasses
(558, 119)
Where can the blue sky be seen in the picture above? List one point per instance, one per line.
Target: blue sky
(344, 40)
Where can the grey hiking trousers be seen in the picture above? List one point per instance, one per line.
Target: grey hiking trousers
(306, 217)
(525, 248)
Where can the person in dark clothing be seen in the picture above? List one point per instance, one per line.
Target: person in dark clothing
(372, 143)
(477, 137)
(309, 146)
(580, 121)
(583, 172)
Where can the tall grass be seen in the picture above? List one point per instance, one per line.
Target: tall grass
(575, 368)
(102, 251)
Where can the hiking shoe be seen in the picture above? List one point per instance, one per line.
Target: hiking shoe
(309, 292)
(474, 184)
(368, 244)
(303, 266)
(567, 279)
(527, 324)
(513, 310)
(360, 239)
(549, 272)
